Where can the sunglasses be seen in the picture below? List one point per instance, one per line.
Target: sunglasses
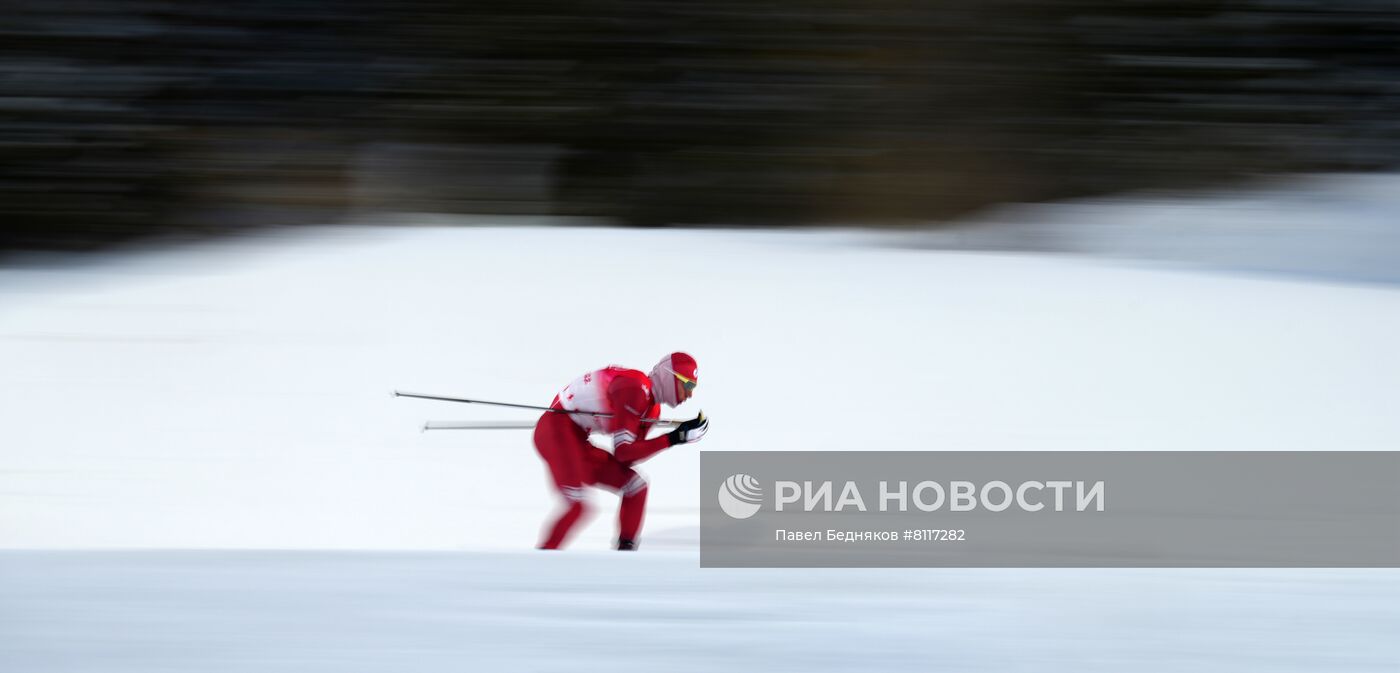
(688, 384)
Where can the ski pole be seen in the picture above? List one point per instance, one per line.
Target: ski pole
(442, 398)
(478, 425)
(496, 425)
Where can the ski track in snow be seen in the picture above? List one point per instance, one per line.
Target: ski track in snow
(307, 612)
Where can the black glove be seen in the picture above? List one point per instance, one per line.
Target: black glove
(689, 431)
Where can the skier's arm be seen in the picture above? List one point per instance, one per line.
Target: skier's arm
(633, 451)
(630, 444)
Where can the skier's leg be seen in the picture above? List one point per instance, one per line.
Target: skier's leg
(630, 514)
(559, 532)
(633, 489)
(561, 444)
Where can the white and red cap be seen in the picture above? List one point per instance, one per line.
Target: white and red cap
(673, 378)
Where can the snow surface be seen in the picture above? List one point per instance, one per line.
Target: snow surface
(237, 396)
(1336, 227)
(302, 612)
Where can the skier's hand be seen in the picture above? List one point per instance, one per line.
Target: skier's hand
(690, 431)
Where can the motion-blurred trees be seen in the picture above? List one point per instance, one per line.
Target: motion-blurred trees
(131, 117)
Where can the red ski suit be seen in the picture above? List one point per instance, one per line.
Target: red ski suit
(562, 441)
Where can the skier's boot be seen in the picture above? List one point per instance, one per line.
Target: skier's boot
(624, 544)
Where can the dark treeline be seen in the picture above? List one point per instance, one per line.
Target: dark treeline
(128, 118)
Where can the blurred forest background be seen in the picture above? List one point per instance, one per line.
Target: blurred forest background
(133, 118)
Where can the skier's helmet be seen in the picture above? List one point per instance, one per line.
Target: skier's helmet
(674, 378)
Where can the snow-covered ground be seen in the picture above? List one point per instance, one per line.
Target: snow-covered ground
(1323, 227)
(343, 612)
(237, 396)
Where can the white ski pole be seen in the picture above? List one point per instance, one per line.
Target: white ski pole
(497, 425)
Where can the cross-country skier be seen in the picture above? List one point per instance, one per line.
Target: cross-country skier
(619, 400)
